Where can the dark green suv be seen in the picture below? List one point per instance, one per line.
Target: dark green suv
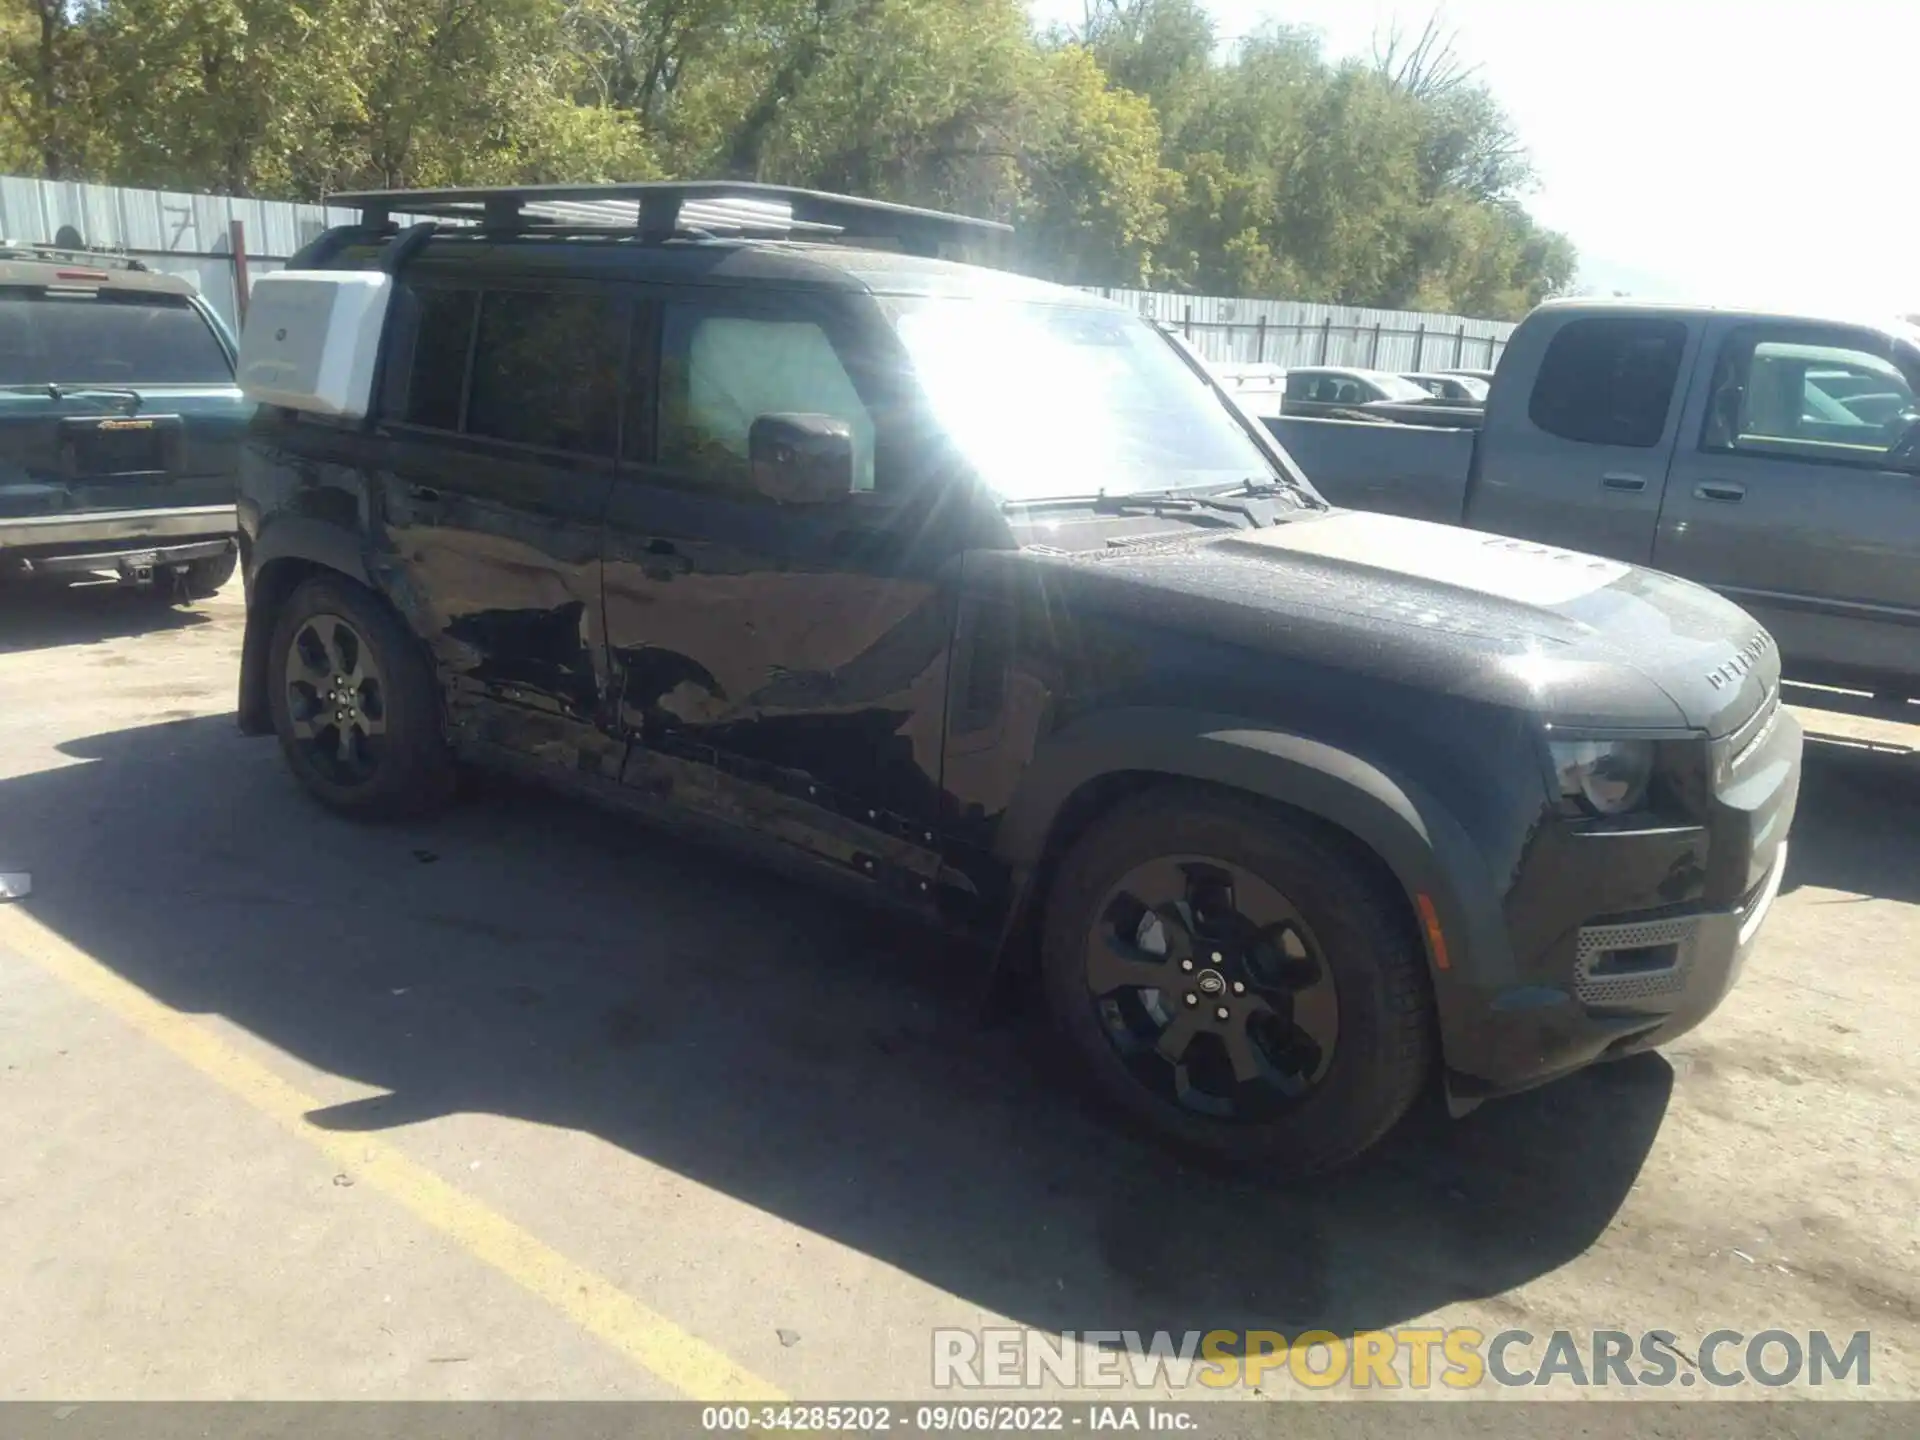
(119, 423)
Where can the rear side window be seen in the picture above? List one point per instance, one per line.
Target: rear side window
(1609, 381)
(437, 368)
(107, 337)
(546, 370)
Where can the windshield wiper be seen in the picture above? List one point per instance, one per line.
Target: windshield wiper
(59, 392)
(1102, 503)
(1267, 486)
(1200, 500)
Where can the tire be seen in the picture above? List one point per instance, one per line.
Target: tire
(399, 763)
(1315, 1110)
(206, 578)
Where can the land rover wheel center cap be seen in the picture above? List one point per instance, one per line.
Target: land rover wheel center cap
(1210, 982)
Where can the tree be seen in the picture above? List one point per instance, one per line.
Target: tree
(1131, 151)
(300, 97)
(47, 74)
(1162, 49)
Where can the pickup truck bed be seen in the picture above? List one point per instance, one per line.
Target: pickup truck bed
(1774, 458)
(1414, 470)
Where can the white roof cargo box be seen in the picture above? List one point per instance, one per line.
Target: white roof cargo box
(311, 339)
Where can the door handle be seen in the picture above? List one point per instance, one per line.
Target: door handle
(1720, 490)
(1620, 480)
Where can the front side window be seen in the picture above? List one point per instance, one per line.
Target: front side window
(1839, 398)
(720, 371)
(107, 337)
(1608, 381)
(1062, 400)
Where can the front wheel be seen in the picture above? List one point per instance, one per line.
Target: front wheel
(1244, 986)
(354, 704)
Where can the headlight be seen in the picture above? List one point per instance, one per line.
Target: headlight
(1609, 777)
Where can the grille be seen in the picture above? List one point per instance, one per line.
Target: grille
(1595, 985)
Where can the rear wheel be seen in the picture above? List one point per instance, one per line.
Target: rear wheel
(354, 704)
(1245, 987)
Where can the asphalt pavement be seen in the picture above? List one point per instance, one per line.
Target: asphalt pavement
(528, 1102)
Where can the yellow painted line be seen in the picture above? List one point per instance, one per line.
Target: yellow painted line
(646, 1337)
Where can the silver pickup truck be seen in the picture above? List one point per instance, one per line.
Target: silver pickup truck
(1775, 458)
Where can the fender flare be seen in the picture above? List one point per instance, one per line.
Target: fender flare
(1419, 841)
(300, 537)
(288, 537)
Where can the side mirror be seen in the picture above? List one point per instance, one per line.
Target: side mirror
(1904, 453)
(801, 459)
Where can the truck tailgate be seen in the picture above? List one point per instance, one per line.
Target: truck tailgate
(1414, 470)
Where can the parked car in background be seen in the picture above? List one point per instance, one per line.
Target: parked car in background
(119, 423)
(1454, 389)
(1485, 377)
(981, 597)
(1774, 457)
(1328, 390)
(1331, 392)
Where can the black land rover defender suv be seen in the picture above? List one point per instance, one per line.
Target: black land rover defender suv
(978, 594)
(119, 423)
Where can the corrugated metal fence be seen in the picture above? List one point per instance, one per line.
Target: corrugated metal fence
(1289, 332)
(190, 235)
(195, 236)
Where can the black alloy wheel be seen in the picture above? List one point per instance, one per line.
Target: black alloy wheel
(1212, 988)
(1242, 981)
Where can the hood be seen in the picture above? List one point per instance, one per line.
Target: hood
(1583, 640)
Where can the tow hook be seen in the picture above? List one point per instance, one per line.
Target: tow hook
(137, 568)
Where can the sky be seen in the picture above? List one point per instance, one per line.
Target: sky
(1707, 150)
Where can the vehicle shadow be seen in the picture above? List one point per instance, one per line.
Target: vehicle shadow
(528, 957)
(44, 613)
(1857, 828)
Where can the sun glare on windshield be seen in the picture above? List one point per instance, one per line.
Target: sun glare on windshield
(1055, 400)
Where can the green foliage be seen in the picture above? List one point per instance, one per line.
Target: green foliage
(1134, 152)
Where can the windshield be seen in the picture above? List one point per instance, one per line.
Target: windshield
(1052, 400)
(106, 338)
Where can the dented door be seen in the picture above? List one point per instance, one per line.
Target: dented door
(778, 667)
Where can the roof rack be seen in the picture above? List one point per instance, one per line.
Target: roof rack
(655, 211)
(39, 254)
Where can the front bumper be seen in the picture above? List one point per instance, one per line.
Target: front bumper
(1621, 983)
